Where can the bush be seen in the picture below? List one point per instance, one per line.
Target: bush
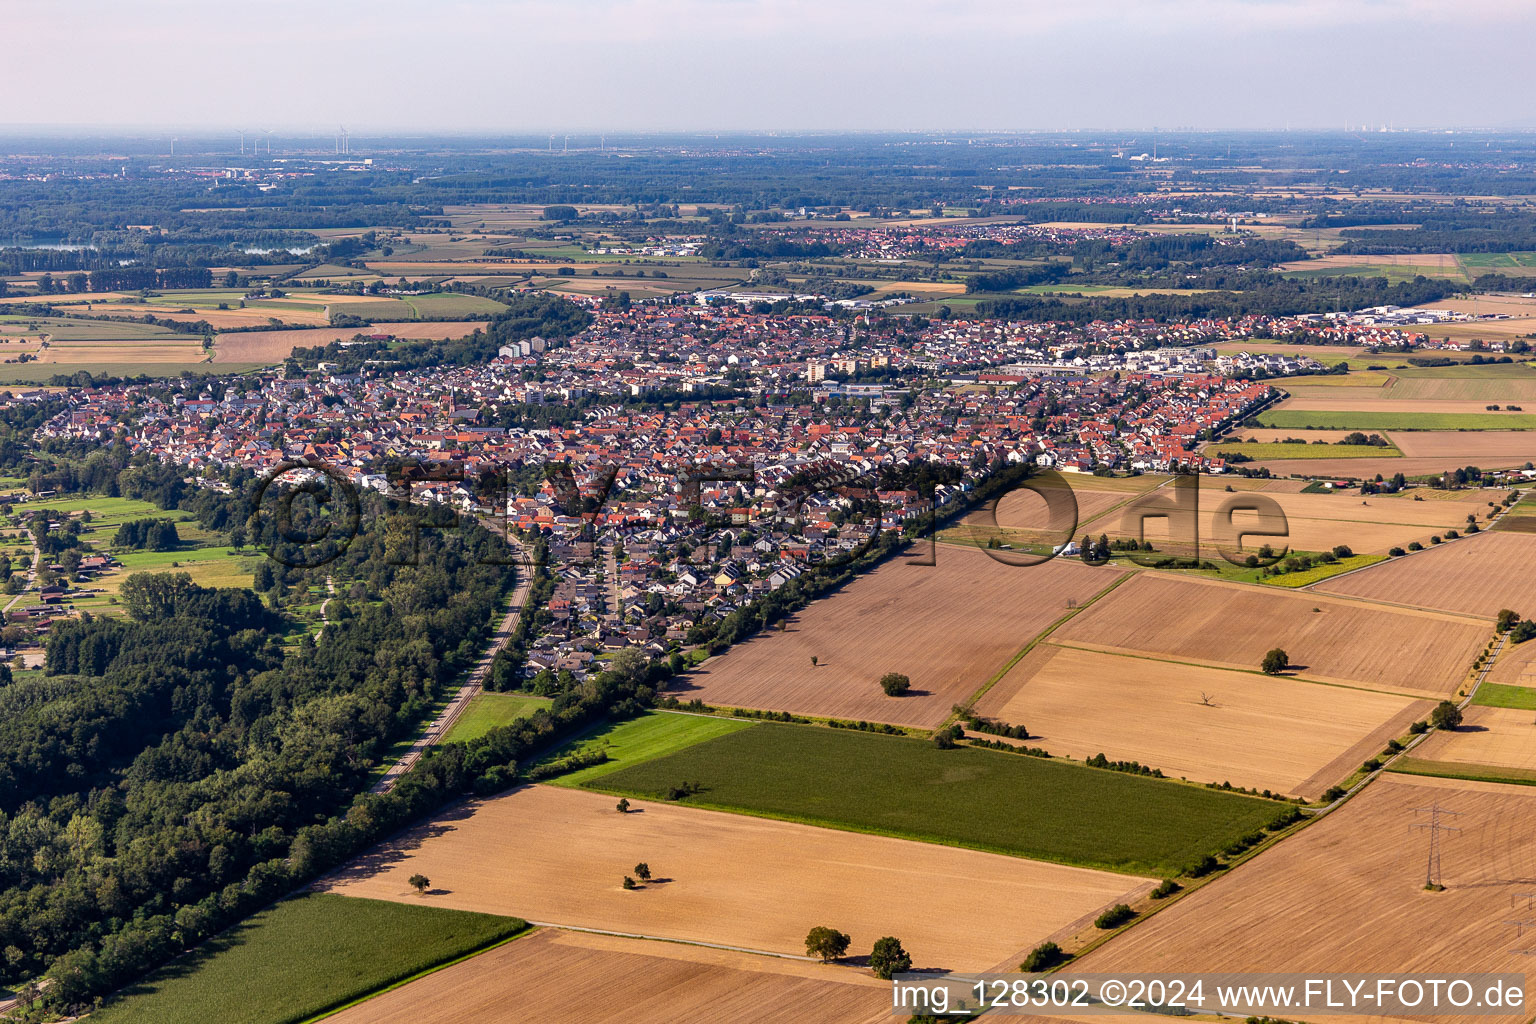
(1275, 662)
(1114, 917)
(1332, 793)
(895, 684)
(1418, 728)
(1042, 958)
(946, 739)
(1445, 716)
(1415, 546)
(1166, 889)
(888, 958)
(1397, 552)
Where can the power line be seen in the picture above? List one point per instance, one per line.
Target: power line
(1432, 866)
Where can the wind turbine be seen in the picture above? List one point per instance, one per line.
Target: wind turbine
(268, 133)
(242, 140)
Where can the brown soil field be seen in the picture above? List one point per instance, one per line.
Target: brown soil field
(1232, 625)
(1347, 895)
(547, 975)
(1502, 737)
(274, 346)
(1467, 447)
(555, 855)
(1477, 575)
(948, 626)
(1282, 734)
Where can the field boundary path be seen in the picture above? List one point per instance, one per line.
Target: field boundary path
(680, 942)
(476, 681)
(37, 557)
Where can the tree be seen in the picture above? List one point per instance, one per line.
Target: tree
(623, 806)
(814, 660)
(827, 943)
(895, 684)
(419, 882)
(629, 883)
(1275, 662)
(643, 870)
(1445, 716)
(1507, 618)
(888, 958)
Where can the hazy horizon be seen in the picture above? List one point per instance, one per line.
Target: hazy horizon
(645, 66)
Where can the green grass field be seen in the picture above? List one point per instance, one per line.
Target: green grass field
(654, 734)
(985, 799)
(1303, 419)
(1267, 452)
(488, 710)
(1500, 695)
(303, 957)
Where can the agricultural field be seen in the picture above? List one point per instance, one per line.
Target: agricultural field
(1495, 737)
(1378, 420)
(559, 855)
(1348, 892)
(1204, 724)
(489, 710)
(948, 626)
(1022, 516)
(1477, 575)
(1310, 452)
(1328, 639)
(643, 982)
(909, 788)
(1395, 269)
(653, 734)
(301, 957)
(264, 347)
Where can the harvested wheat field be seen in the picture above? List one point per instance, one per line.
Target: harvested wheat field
(1280, 734)
(1024, 516)
(1315, 522)
(1501, 737)
(545, 975)
(1316, 399)
(273, 346)
(1367, 468)
(1476, 575)
(1516, 665)
(1490, 449)
(123, 352)
(948, 626)
(1347, 895)
(556, 855)
(1231, 625)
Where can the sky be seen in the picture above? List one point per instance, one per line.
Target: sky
(656, 65)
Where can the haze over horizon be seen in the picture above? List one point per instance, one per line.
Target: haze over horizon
(467, 66)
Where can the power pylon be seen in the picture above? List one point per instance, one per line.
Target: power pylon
(1432, 865)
